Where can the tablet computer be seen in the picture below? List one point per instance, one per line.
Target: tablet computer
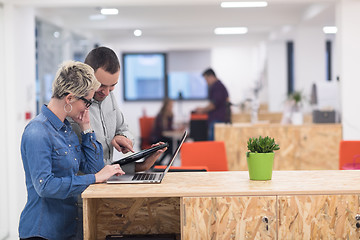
(140, 155)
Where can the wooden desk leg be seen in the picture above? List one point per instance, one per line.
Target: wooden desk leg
(90, 218)
(182, 218)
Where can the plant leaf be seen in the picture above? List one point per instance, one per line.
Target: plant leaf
(262, 145)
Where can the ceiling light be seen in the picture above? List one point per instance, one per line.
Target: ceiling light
(56, 34)
(243, 4)
(230, 30)
(330, 29)
(97, 17)
(286, 28)
(109, 11)
(137, 32)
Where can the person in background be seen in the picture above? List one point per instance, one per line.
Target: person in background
(218, 108)
(106, 118)
(163, 122)
(52, 155)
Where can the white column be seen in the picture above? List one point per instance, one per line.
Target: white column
(4, 203)
(18, 94)
(309, 52)
(348, 46)
(276, 75)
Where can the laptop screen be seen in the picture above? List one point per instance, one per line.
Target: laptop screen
(175, 153)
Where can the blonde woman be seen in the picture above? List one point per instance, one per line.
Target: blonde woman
(52, 156)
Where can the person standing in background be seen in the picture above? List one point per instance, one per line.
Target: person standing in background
(107, 120)
(163, 122)
(52, 156)
(218, 108)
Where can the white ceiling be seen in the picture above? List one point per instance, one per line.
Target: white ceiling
(185, 21)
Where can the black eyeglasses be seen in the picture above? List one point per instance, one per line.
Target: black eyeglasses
(87, 102)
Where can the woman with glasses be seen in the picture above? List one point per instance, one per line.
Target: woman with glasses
(52, 156)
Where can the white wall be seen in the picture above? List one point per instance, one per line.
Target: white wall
(277, 75)
(309, 50)
(309, 65)
(348, 39)
(237, 69)
(188, 60)
(4, 188)
(18, 85)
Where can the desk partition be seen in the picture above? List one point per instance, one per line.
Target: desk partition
(302, 147)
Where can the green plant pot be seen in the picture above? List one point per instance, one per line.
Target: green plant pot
(260, 165)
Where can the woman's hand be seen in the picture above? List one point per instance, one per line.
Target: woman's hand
(83, 119)
(149, 161)
(108, 171)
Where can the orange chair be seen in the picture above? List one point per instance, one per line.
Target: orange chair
(349, 155)
(146, 125)
(198, 116)
(211, 154)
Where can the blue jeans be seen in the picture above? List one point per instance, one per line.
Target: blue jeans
(211, 128)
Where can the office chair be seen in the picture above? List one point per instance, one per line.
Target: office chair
(146, 125)
(349, 155)
(211, 154)
(198, 127)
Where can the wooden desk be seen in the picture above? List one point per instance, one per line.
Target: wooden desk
(271, 117)
(299, 144)
(227, 205)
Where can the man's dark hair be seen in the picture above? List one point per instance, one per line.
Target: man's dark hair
(103, 57)
(209, 72)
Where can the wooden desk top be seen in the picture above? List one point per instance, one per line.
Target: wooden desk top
(278, 125)
(235, 183)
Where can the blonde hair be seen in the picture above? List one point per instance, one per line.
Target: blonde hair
(74, 77)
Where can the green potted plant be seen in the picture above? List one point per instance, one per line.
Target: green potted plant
(297, 97)
(260, 158)
(296, 100)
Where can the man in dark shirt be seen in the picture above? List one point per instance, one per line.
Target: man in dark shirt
(218, 109)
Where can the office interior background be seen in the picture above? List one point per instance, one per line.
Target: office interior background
(36, 36)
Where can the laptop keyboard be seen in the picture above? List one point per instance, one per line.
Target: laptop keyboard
(144, 176)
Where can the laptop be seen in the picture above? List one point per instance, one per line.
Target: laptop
(147, 177)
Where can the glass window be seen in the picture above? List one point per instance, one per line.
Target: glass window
(144, 76)
(188, 85)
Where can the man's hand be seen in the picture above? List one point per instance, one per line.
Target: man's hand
(122, 144)
(199, 110)
(206, 109)
(149, 161)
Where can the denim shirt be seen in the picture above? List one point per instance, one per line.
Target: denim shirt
(52, 156)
